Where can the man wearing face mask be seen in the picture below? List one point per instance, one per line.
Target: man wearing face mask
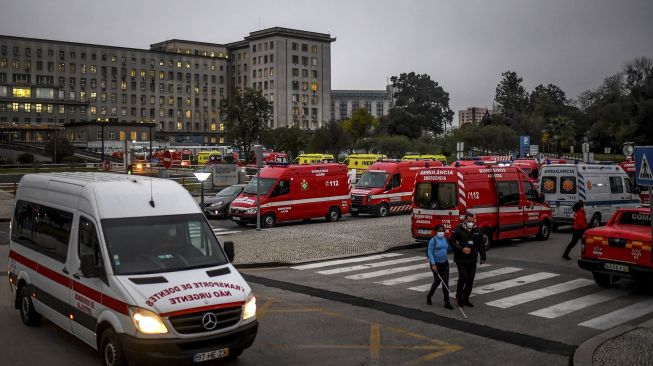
(466, 242)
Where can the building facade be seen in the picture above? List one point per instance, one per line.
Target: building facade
(473, 115)
(176, 85)
(345, 102)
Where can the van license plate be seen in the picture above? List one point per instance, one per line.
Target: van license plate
(235, 218)
(616, 267)
(211, 355)
(354, 209)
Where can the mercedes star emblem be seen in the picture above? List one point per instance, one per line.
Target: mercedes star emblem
(209, 321)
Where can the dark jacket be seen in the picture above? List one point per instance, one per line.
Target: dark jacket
(460, 238)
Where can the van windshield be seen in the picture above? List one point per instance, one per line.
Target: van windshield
(436, 196)
(372, 180)
(266, 184)
(155, 244)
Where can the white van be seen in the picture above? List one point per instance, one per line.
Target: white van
(603, 188)
(130, 266)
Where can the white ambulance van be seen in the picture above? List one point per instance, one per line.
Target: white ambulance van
(603, 188)
(130, 266)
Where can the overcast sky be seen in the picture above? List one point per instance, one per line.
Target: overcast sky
(464, 45)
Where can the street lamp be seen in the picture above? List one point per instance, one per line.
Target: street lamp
(201, 176)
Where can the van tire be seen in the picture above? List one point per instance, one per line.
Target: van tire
(596, 220)
(382, 210)
(269, 220)
(545, 231)
(111, 350)
(604, 280)
(28, 314)
(333, 215)
(486, 238)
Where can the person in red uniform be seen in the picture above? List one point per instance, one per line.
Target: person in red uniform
(579, 226)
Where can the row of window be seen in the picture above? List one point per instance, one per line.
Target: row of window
(263, 59)
(263, 73)
(305, 86)
(295, 47)
(295, 60)
(296, 110)
(262, 46)
(304, 98)
(295, 73)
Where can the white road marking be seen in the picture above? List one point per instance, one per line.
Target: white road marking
(361, 267)
(570, 306)
(343, 261)
(523, 280)
(388, 271)
(620, 316)
(510, 301)
(479, 276)
(226, 232)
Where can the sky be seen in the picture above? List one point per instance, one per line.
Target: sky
(464, 45)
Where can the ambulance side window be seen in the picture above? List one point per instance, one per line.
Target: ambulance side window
(43, 229)
(568, 185)
(616, 185)
(529, 191)
(549, 185)
(396, 181)
(508, 192)
(283, 187)
(629, 185)
(88, 240)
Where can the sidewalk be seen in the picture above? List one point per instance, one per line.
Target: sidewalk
(623, 345)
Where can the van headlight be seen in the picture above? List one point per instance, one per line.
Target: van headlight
(147, 321)
(249, 310)
(216, 204)
(251, 211)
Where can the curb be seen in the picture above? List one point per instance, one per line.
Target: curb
(584, 354)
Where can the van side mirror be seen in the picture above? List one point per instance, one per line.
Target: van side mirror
(88, 267)
(229, 250)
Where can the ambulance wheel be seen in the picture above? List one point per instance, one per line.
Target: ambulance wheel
(486, 238)
(382, 210)
(110, 349)
(269, 220)
(596, 220)
(603, 280)
(545, 231)
(27, 312)
(333, 215)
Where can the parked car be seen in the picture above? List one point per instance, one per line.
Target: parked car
(218, 205)
(620, 249)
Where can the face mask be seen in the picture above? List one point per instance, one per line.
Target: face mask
(440, 234)
(470, 225)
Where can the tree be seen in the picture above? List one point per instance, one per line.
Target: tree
(392, 146)
(561, 132)
(424, 100)
(25, 158)
(510, 95)
(245, 114)
(360, 124)
(401, 122)
(292, 140)
(331, 138)
(58, 149)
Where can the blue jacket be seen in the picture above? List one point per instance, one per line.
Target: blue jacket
(437, 250)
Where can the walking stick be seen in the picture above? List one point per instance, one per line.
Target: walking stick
(447, 287)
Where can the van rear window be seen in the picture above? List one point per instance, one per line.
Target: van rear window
(42, 228)
(436, 196)
(549, 185)
(568, 185)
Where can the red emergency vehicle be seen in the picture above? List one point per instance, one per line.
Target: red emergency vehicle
(529, 166)
(294, 192)
(269, 157)
(629, 167)
(620, 249)
(503, 198)
(387, 187)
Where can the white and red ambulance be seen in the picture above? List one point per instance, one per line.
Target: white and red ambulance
(503, 198)
(294, 192)
(387, 187)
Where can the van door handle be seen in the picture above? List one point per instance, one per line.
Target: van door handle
(76, 275)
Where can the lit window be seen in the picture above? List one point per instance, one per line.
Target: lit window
(132, 73)
(61, 67)
(14, 107)
(38, 107)
(314, 87)
(213, 127)
(50, 108)
(27, 107)
(179, 125)
(93, 110)
(143, 73)
(133, 135)
(222, 140)
(62, 109)
(93, 70)
(187, 64)
(93, 96)
(22, 92)
(188, 114)
(221, 127)
(123, 85)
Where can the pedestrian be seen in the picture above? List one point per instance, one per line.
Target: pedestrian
(467, 244)
(579, 226)
(437, 253)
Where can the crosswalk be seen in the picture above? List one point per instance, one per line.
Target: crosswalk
(513, 285)
(223, 231)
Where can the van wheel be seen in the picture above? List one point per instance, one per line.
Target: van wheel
(596, 220)
(269, 220)
(604, 280)
(545, 231)
(27, 312)
(333, 215)
(382, 210)
(110, 349)
(486, 238)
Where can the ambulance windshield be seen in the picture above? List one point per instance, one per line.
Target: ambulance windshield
(372, 180)
(436, 196)
(266, 184)
(155, 244)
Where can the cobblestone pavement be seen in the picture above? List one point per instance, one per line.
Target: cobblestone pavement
(631, 348)
(318, 240)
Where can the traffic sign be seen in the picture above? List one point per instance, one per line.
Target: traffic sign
(167, 159)
(643, 171)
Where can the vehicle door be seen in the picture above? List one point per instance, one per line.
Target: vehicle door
(511, 211)
(568, 186)
(617, 194)
(549, 187)
(280, 201)
(88, 283)
(393, 190)
(531, 212)
(631, 194)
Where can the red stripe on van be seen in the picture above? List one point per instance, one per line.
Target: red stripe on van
(202, 308)
(82, 289)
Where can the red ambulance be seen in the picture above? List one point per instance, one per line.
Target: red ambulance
(503, 198)
(629, 167)
(294, 192)
(387, 187)
(620, 249)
